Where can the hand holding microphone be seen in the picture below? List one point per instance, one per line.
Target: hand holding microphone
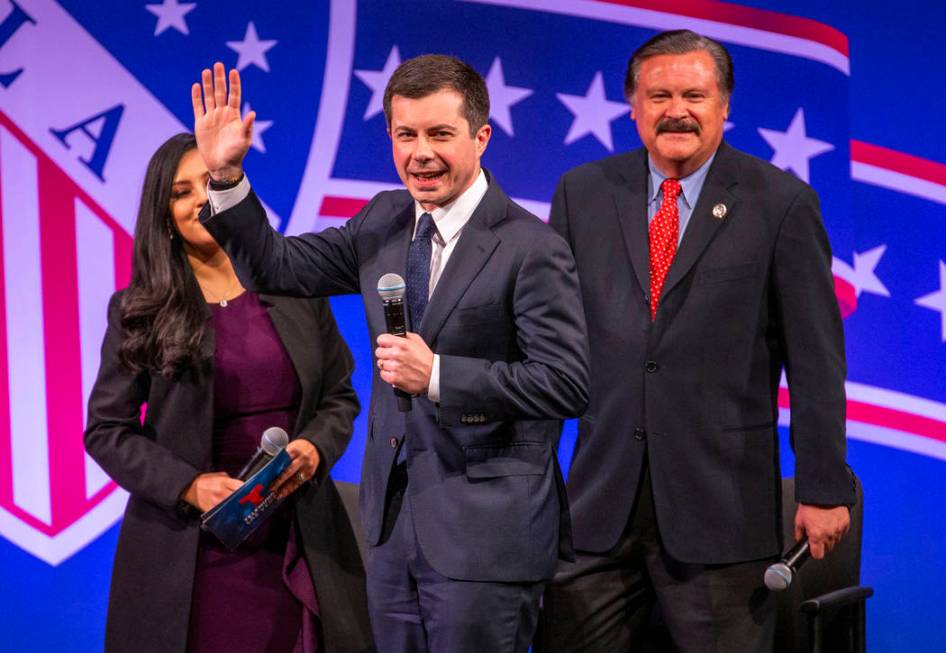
(818, 529)
(404, 359)
(209, 489)
(779, 577)
(305, 462)
(392, 289)
(272, 440)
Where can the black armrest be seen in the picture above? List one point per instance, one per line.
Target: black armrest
(836, 600)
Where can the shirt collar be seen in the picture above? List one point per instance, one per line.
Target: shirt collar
(690, 186)
(451, 218)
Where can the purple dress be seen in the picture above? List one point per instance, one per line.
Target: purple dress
(259, 597)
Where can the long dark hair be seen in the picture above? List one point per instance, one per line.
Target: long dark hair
(163, 317)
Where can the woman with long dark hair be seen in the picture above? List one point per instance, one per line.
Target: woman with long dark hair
(194, 368)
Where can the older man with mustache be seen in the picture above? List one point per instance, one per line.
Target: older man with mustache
(704, 273)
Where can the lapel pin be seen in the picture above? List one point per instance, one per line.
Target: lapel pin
(719, 211)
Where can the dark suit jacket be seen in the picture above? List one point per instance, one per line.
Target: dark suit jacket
(506, 319)
(152, 580)
(696, 390)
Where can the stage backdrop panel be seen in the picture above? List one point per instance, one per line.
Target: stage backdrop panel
(89, 89)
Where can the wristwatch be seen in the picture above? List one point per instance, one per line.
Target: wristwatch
(226, 183)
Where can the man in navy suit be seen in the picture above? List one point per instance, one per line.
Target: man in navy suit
(704, 272)
(461, 496)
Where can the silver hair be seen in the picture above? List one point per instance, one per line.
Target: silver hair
(681, 41)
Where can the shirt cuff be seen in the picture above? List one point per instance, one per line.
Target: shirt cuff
(221, 200)
(433, 388)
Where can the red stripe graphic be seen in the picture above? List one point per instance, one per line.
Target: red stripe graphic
(905, 164)
(761, 19)
(891, 418)
(61, 334)
(341, 207)
(6, 452)
(846, 294)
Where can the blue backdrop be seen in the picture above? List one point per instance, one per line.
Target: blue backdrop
(845, 95)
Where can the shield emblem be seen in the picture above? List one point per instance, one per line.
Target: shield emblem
(62, 257)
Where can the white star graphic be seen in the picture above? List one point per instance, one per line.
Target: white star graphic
(171, 13)
(936, 301)
(251, 49)
(593, 113)
(502, 97)
(259, 127)
(793, 148)
(377, 80)
(865, 279)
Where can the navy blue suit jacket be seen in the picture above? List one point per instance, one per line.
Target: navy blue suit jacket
(506, 319)
(695, 392)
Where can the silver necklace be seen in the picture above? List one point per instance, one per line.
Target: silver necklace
(223, 300)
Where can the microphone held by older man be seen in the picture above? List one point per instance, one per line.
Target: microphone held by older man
(779, 576)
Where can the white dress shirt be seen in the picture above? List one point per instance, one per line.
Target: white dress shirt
(449, 220)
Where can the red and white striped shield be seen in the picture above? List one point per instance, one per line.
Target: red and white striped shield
(61, 258)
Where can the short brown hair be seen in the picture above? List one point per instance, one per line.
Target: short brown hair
(429, 73)
(681, 41)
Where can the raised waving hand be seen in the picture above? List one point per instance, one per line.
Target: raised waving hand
(223, 137)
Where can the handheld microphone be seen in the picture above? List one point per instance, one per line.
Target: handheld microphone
(272, 440)
(780, 575)
(391, 287)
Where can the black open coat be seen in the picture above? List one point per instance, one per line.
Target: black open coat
(152, 580)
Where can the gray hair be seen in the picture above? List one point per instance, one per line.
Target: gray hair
(681, 41)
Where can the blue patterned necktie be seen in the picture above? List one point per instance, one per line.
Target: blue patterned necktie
(418, 270)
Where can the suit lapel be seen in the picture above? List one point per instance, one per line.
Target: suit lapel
(302, 347)
(474, 248)
(392, 256)
(703, 224)
(630, 201)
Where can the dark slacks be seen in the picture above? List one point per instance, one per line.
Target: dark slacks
(414, 608)
(605, 602)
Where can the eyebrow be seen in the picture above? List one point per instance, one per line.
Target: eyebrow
(439, 127)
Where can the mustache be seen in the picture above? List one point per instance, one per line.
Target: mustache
(679, 126)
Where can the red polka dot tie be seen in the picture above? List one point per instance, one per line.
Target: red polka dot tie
(664, 229)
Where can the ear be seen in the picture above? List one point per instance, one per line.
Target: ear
(633, 102)
(482, 137)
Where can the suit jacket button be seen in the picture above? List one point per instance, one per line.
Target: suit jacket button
(640, 434)
(651, 366)
(393, 442)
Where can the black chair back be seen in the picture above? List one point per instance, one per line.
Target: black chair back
(840, 569)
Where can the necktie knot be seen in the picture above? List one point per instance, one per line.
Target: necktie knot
(670, 188)
(425, 227)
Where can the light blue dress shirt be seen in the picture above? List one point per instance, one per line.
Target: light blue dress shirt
(690, 187)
